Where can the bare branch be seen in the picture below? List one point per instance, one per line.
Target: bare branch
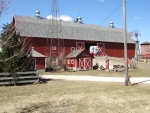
(4, 6)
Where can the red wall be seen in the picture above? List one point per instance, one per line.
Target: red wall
(111, 49)
(145, 51)
(71, 64)
(117, 49)
(40, 63)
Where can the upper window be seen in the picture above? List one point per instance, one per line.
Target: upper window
(84, 54)
(53, 47)
(72, 48)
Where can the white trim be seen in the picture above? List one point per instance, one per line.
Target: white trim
(84, 64)
(45, 62)
(68, 61)
(101, 47)
(80, 47)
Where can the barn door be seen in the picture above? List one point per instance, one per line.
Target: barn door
(81, 63)
(87, 63)
(80, 45)
(84, 63)
(101, 47)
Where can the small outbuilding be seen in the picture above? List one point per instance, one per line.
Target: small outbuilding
(79, 60)
(145, 49)
(38, 59)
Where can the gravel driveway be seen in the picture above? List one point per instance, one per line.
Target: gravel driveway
(133, 80)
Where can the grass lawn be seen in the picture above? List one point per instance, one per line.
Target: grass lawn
(139, 71)
(75, 97)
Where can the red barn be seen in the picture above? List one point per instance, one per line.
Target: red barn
(76, 36)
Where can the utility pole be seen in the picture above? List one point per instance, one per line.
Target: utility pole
(125, 44)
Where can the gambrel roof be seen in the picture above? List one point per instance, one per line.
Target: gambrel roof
(33, 27)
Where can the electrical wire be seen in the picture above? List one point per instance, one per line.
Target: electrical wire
(112, 13)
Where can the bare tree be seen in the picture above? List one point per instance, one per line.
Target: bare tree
(62, 59)
(4, 5)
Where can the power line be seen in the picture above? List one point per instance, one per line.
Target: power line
(112, 13)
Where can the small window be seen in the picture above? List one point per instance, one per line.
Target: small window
(53, 47)
(68, 61)
(72, 48)
(84, 54)
(53, 59)
(72, 61)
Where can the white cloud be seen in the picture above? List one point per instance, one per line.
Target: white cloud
(63, 17)
(100, 0)
(49, 17)
(137, 17)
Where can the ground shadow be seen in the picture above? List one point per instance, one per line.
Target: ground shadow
(140, 82)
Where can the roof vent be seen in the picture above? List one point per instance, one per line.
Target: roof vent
(37, 12)
(111, 24)
(79, 20)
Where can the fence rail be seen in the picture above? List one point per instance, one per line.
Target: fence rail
(19, 78)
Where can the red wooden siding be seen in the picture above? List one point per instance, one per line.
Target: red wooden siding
(40, 63)
(111, 49)
(145, 51)
(117, 49)
(71, 62)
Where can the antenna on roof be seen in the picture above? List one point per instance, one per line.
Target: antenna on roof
(111, 24)
(78, 20)
(37, 12)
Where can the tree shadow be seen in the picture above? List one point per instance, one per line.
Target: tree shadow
(140, 82)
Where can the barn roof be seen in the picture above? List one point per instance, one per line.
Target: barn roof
(36, 54)
(33, 27)
(145, 43)
(75, 53)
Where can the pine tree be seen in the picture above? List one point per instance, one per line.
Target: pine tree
(17, 61)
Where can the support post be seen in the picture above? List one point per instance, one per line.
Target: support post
(125, 43)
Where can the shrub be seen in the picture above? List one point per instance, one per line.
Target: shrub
(133, 64)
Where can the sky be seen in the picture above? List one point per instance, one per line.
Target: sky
(96, 12)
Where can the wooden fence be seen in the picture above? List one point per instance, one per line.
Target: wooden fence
(19, 78)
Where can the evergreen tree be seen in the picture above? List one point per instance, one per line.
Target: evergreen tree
(17, 61)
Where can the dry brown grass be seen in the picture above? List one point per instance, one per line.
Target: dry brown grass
(75, 97)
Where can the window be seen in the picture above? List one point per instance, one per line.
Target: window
(53, 59)
(84, 54)
(72, 61)
(68, 61)
(53, 47)
(72, 48)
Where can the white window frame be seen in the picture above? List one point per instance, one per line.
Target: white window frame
(72, 48)
(68, 61)
(53, 47)
(72, 61)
